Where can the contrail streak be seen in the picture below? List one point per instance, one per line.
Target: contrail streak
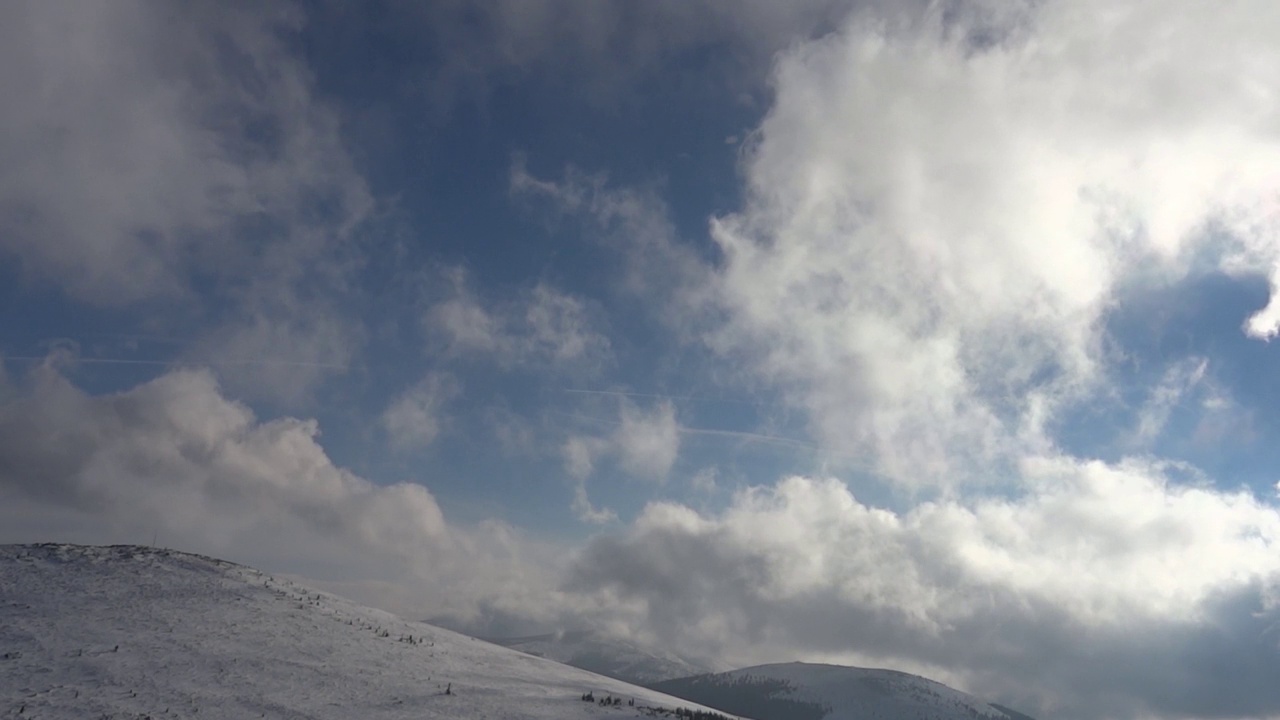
(739, 434)
(127, 361)
(163, 339)
(752, 437)
(619, 393)
(775, 439)
(661, 396)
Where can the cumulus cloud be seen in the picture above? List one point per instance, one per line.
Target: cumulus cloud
(647, 442)
(544, 328)
(941, 212)
(938, 219)
(1103, 565)
(644, 444)
(179, 161)
(175, 458)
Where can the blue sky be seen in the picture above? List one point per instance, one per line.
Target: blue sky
(928, 335)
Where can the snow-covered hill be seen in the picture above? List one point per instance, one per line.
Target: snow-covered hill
(130, 632)
(805, 691)
(607, 656)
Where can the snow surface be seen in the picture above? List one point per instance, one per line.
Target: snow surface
(132, 632)
(834, 692)
(601, 654)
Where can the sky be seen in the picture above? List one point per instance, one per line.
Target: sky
(925, 335)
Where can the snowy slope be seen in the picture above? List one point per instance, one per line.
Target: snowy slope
(804, 691)
(129, 632)
(607, 656)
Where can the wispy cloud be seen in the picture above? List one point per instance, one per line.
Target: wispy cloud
(171, 363)
(543, 328)
(1169, 393)
(157, 157)
(415, 418)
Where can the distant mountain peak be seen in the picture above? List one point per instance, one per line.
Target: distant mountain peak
(818, 691)
(606, 655)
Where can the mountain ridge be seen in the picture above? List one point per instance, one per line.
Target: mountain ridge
(820, 691)
(135, 632)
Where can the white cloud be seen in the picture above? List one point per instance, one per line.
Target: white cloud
(705, 480)
(934, 229)
(939, 214)
(543, 328)
(587, 512)
(135, 136)
(559, 328)
(635, 222)
(1046, 597)
(176, 458)
(645, 443)
(415, 417)
(1224, 423)
(280, 353)
(580, 453)
(516, 435)
(178, 160)
(1177, 382)
(1120, 575)
(465, 323)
